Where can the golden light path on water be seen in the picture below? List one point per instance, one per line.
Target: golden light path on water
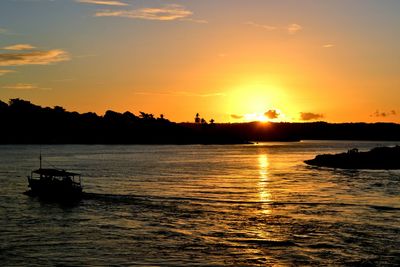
(264, 192)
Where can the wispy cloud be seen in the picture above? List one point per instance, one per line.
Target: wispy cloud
(262, 26)
(236, 117)
(328, 45)
(165, 13)
(5, 31)
(25, 87)
(291, 28)
(308, 116)
(294, 28)
(33, 58)
(19, 47)
(201, 21)
(102, 2)
(4, 72)
(384, 114)
(21, 86)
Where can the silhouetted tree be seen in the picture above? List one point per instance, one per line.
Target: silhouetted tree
(3, 105)
(20, 105)
(23, 122)
(59, 109)
(197, 118)
(112, 116)
(129, 116)
(146, 116)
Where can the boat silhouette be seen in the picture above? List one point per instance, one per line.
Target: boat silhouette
(54, 184)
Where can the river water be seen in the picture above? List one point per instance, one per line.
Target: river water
(242, 205)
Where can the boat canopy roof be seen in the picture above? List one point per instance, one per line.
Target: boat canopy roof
(55, 172)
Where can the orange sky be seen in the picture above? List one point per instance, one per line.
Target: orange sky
(229, 60)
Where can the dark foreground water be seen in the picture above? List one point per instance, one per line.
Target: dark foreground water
(201, 205)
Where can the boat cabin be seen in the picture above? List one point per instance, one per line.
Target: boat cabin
(56, 175)
(54, 183)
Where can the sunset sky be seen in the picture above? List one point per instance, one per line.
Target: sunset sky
(230, 60)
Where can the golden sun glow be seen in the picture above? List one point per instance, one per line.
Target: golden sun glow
(294, 61)
(257, 101)
(255, 117)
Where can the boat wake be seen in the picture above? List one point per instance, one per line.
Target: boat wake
(138, 199)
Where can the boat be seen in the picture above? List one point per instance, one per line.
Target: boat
(384, 158)
(54, 184)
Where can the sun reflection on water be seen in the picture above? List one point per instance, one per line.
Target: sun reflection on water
(264, 193)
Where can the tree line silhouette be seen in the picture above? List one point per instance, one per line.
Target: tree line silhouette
(25, 123)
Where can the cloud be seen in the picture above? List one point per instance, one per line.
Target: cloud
(265, 27)
(291, 28)
(21, 86)
(271, 114)
(24, 87)
(102, 2)
(328, 45)
(5, 31)
(380, 114)
(237, 117)
(294, 28)
(308, 116)
(384, 114)
(165, 13)
(33, 58)
(4, 72)
(201, 21)
(19, 47)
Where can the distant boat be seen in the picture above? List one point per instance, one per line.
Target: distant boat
(383, 158)
(55, 184)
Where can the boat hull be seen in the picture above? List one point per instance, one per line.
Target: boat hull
(54, 190)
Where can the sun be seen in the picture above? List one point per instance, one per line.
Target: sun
(254, 101)
(255, 117)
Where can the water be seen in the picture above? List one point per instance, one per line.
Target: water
(246, 205)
